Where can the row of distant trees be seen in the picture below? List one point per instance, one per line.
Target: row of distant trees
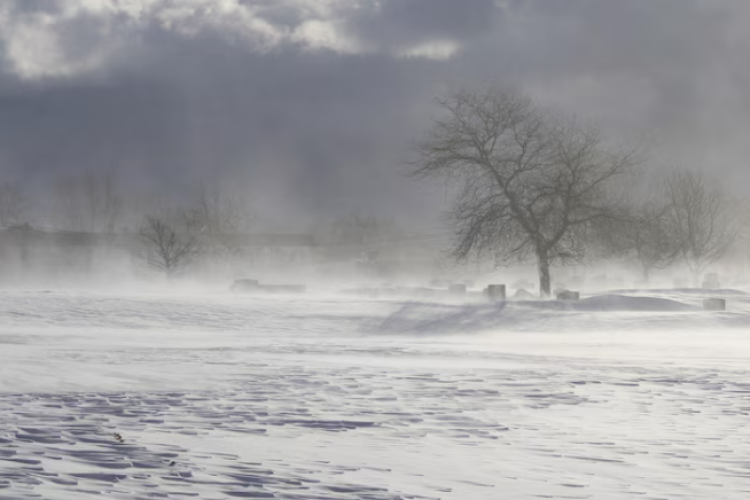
(531, 184)
(171, 244)
(214, 216)
(96, 202)
(175, 234)
(89, 202)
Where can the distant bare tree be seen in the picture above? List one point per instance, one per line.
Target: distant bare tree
(643, 234)
(165, 248)
(653, 243)
(12, 203)
(701, 220)
(217, 215)
(89, 202)
(530, 184)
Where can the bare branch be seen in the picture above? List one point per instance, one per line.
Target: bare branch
(165, 249)
(700, 219)
(530, 183)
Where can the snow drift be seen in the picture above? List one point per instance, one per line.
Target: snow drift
(597, 313)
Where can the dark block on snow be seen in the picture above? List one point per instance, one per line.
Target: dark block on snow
(568, 295)
(245, 286)
(715, 304)
(496, 292)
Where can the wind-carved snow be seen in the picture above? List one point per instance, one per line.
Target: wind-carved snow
(333, 398)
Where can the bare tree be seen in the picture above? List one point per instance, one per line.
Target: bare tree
(216, 212)
(700, 220)
(217, 216)
(644, 234)
(89, 202)
(165, 248)
(530, 184)
(12, 203)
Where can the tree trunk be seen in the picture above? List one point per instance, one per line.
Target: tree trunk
(646, 274)
(545, 285)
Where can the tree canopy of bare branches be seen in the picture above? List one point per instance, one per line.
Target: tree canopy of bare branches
(216, 216)
(165, 248)
(216, 211)
(701, 220)
(530, 183)
(644, 235)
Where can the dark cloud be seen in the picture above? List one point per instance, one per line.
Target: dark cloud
(670, 70)
(311, 106)
(419, 21)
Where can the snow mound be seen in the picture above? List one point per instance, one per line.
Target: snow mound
(597, 313)
(721, 292)
(630, 303)
(611, 302)
(426, 318)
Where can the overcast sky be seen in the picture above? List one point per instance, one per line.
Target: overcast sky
(312, 104)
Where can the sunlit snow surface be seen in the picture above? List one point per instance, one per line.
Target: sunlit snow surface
(324, 397)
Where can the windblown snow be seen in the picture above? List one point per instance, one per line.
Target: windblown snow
(623, 395)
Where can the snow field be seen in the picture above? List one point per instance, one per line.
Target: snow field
(227, 397)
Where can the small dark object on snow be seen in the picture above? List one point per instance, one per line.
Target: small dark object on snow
(245, 285)
(496, 292)
(119, 438)
(172, 463)
(715, 305)
(568, 295)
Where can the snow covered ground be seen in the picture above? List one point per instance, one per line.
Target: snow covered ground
(326, 397)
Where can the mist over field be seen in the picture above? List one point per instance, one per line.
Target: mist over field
(374, 249)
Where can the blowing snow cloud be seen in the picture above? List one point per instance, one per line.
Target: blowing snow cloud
(314, 104)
